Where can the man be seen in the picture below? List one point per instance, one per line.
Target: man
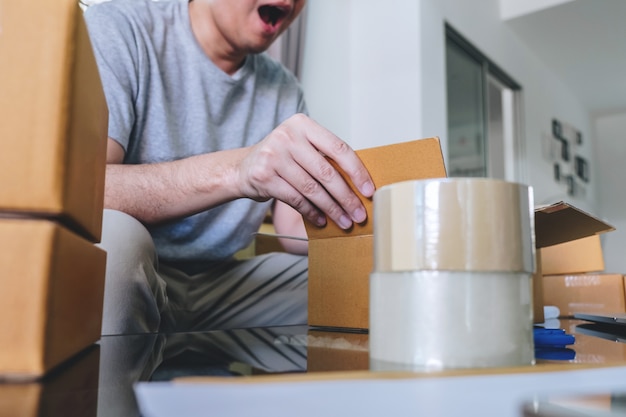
(206, 133)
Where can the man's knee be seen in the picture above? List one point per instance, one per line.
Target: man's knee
(134, 294)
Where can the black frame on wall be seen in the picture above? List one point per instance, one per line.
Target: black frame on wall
(566, 159)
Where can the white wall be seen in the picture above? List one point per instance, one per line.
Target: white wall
(374, 73)
(610, 147)
(360, 83)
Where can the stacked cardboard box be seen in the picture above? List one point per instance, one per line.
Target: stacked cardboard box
(572, 269)
(53, 132)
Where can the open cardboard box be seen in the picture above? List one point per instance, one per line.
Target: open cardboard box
(575, 282)
(573, 278)
(340, 261)
(54, 116)
(559, 224)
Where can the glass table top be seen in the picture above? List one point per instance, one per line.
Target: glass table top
(100, 380)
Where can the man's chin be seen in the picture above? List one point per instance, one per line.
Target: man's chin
(257, 49)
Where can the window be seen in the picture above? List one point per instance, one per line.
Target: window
(483, 115)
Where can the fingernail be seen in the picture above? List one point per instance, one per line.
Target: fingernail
(359, 215)
(345, 222)
(320, 221)
(367, 189)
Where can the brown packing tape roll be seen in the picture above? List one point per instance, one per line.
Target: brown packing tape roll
(454, 224)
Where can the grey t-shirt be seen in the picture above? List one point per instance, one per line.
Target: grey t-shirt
(167, 101)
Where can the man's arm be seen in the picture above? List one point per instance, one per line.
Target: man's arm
(289, 165)
(287, 221)
(159, 192)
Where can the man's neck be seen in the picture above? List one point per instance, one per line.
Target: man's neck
(223, 55)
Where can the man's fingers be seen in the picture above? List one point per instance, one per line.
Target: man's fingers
(319, 194)
(322, 184)
(340, 152)
(286, 193)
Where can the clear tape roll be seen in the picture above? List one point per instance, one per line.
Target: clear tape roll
(431, 320)
(451, 286)
(455, 224)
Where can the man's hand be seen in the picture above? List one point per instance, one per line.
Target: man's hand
(289, 165)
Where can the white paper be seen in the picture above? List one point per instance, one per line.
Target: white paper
(489, 395)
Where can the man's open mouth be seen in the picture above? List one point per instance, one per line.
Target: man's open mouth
(272, 15)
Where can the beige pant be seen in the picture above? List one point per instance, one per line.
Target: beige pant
(142, 297)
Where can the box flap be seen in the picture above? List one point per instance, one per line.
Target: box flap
(562, 222)
(417, 159)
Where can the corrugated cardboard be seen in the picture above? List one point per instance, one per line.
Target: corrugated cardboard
(585, 293)
(578, 256)
(556, 224)
(340, 262)
(561, 222)
(52, 295)
(54, 115)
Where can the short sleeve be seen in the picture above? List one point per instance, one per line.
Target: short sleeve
(113, 40)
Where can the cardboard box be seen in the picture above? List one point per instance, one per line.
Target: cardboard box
(52, 296)
(578, 256)
(585, 293)
(556, 224)
(54, 116)
(561, 222)
(340, 261)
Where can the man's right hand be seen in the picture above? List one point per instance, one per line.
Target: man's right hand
(289, 164)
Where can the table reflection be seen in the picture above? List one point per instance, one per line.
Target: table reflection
(71, 390)
(162, 357)
(99, 381)
(595, 344)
